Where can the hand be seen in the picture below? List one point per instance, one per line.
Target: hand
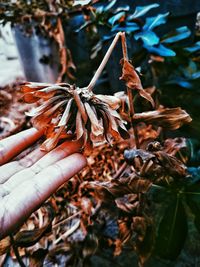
(26, 183)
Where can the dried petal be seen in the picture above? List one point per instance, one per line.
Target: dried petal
(80, 129)
(52, 141)
(96, 128)
(112, 101)
(65, 117)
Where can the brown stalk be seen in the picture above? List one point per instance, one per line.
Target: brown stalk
(130, 96)
(104, 62)
(129, 91)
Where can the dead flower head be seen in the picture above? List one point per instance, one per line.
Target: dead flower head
(69, 111)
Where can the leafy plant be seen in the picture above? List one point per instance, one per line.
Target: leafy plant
(139, 29)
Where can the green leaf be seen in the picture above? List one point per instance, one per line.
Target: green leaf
(176, 35)
(193, 201)
(116, 17)
(172, 231)
(142, 10)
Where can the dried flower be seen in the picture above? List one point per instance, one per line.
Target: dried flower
(69, 111)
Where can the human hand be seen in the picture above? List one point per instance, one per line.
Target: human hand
(26, 183)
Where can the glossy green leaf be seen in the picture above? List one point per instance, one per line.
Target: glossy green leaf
(193, 200)
(193, 48)
(142, 10)
(160, 50)
(153, 22)
(110, 5)
(149, 38)
(177, 35)
(172, 231)
(128, 27)
(116, 17)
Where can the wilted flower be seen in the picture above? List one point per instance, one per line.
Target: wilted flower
(69, 111)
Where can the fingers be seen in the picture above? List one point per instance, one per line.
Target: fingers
(13, 145)
(29, 195)
(62, 151)
(9, 169)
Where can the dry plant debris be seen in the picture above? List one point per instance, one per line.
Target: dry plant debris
(12, 110)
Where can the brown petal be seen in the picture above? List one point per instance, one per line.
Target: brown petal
(98, 139)
(112, 101)
(51, 142)
(80, 129)
(29, 88)
(66, 114)
(96, 128)
(45, 106)
(172, 165)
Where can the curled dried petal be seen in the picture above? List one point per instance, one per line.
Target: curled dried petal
(113, 101)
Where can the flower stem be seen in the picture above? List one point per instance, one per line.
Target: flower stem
(130, 96)
(104, 62)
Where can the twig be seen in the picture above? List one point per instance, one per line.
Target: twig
(66, 219)
(120, 170)
(15, 249)
(130, 95)
(104, 62)
(67, 233)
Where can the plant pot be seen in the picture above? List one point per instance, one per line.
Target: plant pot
(38, 56)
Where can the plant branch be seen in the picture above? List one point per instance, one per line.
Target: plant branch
(104, 62)
(130, 95)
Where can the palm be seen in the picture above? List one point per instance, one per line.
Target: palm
(26, 183)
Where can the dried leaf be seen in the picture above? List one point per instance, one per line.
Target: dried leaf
(118, 188)
(171, 164)
(125, 231)
(172, 146)
(37, 258)
(130, 76)
(5, 245)
(27, 238)
(65, 55)
(127, 203)
(168, 118)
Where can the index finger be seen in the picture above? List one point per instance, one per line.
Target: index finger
(13, 145)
